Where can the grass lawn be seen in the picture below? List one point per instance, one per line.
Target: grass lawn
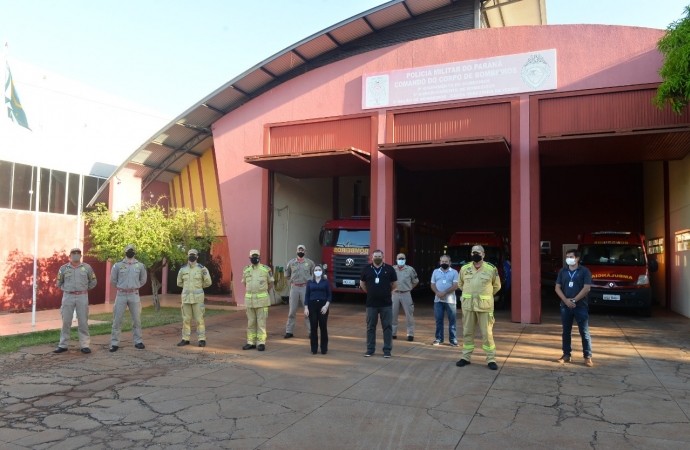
(149, 318)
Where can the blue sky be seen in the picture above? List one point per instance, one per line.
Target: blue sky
(168, 54)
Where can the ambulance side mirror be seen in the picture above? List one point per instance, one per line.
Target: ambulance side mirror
(653, 265)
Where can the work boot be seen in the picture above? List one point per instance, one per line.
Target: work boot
(564, 359)
(86, 350)
(261, 347)
(202, 343)
(395, 337)
(588, 362)
(287, 336)
(140, 346)
(493, 366)
(113, 348)
(248, 347)
(59, 350)
(462, 363)
(410, 338)
(182, 343)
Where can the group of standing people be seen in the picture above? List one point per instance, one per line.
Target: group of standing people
(387, 289)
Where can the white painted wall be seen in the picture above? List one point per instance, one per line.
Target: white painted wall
(679, 183)
(75, 128)
(301, 209)
(654, 223)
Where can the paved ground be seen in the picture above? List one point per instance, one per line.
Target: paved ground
(636, 396)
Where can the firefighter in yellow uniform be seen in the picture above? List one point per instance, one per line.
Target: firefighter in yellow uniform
(258, 280)
(479, 282)
(193, 278)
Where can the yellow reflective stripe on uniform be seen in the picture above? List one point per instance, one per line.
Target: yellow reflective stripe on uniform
(485, 297)
(468, 347)
(489, 348)
(262, 295)
(266, 309)
(466, 295)
(491, 314)
(261, 336)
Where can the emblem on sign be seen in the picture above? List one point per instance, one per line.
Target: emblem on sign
(377, 91)
(536, 71)
(612, 284)
(349, 262)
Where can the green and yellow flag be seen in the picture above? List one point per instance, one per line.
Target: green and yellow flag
(15, 111)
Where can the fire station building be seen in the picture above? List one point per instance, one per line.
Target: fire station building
(474, 116)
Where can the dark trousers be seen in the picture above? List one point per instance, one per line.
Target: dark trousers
(386, 313)
(316, 319)
(581, 315)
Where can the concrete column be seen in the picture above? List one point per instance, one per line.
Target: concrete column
(525, 213)
(382, 194)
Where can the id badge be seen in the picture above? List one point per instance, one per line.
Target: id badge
(570, 284)
(376, 280)
(444, 281)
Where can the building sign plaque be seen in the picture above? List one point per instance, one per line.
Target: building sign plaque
(499, 75)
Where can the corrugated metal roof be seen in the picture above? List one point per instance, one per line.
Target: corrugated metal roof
(352, 36)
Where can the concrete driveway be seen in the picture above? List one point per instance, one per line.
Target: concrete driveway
(636, 396)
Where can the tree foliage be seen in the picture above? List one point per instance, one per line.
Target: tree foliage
(675, 71)
(160, 238)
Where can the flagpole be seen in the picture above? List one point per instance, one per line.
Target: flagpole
(38, 200)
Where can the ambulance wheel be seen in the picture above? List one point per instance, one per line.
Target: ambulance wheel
(646, 311)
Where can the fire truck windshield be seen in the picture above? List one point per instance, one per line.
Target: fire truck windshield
(461, 255)
(346, 238)
(612, 254)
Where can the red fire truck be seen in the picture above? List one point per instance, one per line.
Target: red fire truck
(345, 250)
(620, 269)
(496, 250)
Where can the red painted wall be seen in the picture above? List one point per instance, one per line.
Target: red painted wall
(589, 57)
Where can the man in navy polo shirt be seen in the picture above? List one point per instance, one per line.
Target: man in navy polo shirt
(379, 280)
(572, 286)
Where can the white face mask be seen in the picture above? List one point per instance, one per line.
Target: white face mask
(317, 273)
(401, 262)
(570, 261)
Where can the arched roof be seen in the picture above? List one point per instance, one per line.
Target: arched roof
(171, 149)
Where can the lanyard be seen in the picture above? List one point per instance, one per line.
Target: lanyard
(377, 273)
(573, 274)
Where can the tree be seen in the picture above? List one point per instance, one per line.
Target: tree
(161, 238)
(675, 71)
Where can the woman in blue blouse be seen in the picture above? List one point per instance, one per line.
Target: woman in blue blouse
(317, 299)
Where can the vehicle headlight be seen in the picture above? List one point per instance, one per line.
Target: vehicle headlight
(642, 280)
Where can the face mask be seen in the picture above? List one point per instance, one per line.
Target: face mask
(317, 273)
(378, 261)
(130, 253)
(476, 258)
(300, 254)
(191, 258)
(445, 266)
(254, 259)
(570, 261)
(401, 262)
(75, 257)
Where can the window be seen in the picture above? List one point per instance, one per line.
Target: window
(58, 187)
(5, 183)
(23, 185)
(73, 194)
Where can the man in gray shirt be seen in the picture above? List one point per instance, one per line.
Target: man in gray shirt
(444, 282)
(75, 279)
(128, 276)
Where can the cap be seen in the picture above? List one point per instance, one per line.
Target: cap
(130, 247)
(478, 248)
(301, 246)
(254, 252)
(75, 250)
(193, 251)
(401, 255)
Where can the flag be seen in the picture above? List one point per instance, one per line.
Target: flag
(15, 111)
